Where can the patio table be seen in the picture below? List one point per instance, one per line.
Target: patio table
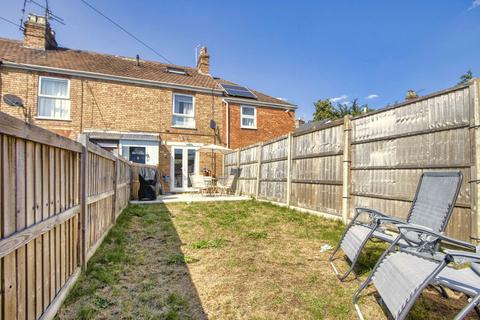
(211, 183)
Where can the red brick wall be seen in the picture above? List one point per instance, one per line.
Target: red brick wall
(271, 123)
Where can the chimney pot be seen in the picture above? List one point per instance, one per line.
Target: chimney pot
(38, 34)
(411, 94)
(203, 62)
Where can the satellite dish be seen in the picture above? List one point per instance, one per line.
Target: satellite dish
(13, 100)
(213, 125)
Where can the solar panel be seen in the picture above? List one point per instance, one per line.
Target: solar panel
(238, 91)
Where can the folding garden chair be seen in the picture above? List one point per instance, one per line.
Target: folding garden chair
(226, 185)
(432, 207)
(402, 273)
(201, 184)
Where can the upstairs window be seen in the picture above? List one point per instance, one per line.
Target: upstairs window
(183, 111)
(54, 98)
(248, 117)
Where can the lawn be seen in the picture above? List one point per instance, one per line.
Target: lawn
(224, 260)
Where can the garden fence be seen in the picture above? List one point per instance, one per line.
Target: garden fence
(373, 160)
(58, 199)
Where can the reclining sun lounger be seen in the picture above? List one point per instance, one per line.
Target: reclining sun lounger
(432, 207)
(402, 273)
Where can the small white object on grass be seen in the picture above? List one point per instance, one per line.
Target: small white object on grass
(325, 248)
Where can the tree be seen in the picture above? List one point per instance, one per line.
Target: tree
(464, 78)
(324, 109)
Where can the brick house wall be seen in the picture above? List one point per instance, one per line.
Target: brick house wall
(106, 105)
(271, 123)
(113, 106)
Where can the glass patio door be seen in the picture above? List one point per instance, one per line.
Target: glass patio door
(184, 162)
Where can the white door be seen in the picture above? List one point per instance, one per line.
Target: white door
(184, 162)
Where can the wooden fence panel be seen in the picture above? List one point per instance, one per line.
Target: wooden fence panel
(273, 170)
(39, 209)
(317, 172)
(123, 185)
(100, 195)
(391, 148)
(230, 162)
(247, 172)
(41, 236)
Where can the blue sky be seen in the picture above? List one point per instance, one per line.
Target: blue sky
(298, 50)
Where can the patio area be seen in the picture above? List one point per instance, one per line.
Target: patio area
(226, 260)
(191, 197)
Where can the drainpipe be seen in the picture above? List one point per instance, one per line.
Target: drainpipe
(227, 124)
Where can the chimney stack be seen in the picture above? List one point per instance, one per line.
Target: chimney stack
(38, 34)
(203, 62)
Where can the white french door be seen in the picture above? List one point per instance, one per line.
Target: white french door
(184, 162)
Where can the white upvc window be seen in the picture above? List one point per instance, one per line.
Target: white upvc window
(248, 118)
(183, 113)
(53, 98)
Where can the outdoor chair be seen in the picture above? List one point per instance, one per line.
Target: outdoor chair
(432, 207)
(225, 185)
(199, 183)
(402, 273)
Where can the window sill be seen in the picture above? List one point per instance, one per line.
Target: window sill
(184, 128)
(249, 128)
(53, 119)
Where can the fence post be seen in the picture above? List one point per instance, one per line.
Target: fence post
(84, 230)
(115, 191)
(259, 169)
(346, 185)
(289, 167)
(475, 163)
(237, 192)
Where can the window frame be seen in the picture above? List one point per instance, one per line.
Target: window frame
(40, 95)
(174, 114)
(254, 117)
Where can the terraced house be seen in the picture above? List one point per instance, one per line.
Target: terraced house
(148, 112)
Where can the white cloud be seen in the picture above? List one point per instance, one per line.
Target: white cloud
(338, 99)
(475, 4)
(373, 96)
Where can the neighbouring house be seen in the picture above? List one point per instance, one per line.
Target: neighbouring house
(147, 112)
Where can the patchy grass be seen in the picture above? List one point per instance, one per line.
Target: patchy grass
(180, 258)
(139, 272)
(225, 260)
(257, 235)
(209, 244)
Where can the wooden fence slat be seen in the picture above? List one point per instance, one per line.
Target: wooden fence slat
(38, 193)
(21, 215)
(30, 220)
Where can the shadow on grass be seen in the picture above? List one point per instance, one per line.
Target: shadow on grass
(139, 272)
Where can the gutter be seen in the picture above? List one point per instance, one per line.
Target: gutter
(101, 76)
(290, 107)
